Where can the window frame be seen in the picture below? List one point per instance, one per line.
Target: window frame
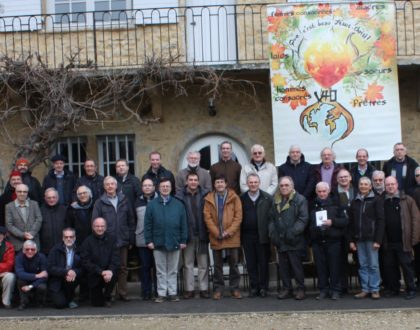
(104, 167)
(81, 142)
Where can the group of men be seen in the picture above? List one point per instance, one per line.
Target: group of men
(81, 232)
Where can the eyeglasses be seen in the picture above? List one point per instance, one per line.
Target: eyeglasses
(30, 249)
(417, 175)
(257, 153)
(285, 185)
(67, 237)
(82, 193)
(21, 191)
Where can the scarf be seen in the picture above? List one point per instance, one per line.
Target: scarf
(282, 203)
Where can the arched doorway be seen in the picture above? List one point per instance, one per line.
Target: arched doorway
(209, 148)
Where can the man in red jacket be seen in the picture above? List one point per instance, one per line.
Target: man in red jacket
(7, 263)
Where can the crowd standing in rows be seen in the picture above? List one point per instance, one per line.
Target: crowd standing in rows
(77, 232)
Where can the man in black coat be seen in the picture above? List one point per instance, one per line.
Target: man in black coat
(61, 179)
(116, 209)
(128, 183)
(53, 221)
(101, 260)
(91, 179)
(156, 171)
(402, 167)
(300, 171)
(35, 190)
(64, 269)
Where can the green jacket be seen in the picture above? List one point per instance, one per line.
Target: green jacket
(165, 224)
(288, 224)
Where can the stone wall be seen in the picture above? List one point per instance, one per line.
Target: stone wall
(184, 119)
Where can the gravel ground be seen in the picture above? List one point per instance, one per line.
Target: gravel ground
(382, 320)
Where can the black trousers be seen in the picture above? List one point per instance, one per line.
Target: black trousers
(101, 292)
(394, 257)
(417, 261)
(232, 255)
(257, 257)
(62, 297)
(38, 294)
(290, 265)
(328, 261)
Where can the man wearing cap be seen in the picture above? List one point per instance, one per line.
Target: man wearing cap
(9, 194)
(7, 264)
(35, 189)
(61, 179)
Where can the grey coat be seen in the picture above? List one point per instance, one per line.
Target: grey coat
(17, 226)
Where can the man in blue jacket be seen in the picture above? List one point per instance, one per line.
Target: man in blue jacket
(166, 233)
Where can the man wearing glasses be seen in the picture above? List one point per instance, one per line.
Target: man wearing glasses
(23, 218)
(266, 171)
(32, 275)
(64, 268)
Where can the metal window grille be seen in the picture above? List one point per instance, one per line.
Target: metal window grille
(114, 147)
(74, 150)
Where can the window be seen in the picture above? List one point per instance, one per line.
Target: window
(80, 11)
(113, 147)
(74, 150)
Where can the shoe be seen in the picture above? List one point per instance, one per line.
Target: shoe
(188, 294)
(21, 307)
(217, 295)
(174, 298)
(391, 294)
(375, 295)
(160, 299)
(285, 294)
(146, 296)
(410, 295)
(124, 298)
(253, 293)
(204, 294)
(335, 296)
(322, 295)
(236, 294)
(72, 305)
(263, 293)
(108, 303)
(361, 295)
(7, 306)
(300, 295)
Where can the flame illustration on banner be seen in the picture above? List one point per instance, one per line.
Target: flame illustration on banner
(328, 63)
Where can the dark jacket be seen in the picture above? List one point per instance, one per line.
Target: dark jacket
(156, 177)
(79, 217)
(57, 266)
(94, 183)
(288, 224)
(5, 199)
(35, 189)
(318, 176)
(410, 179)
(53, 223)
(339, 222)
(355, 175)
(130, 187)
(26, 268)
(410, 222)
(264, 205)
(50, 181)
(99, 253)
(301, 174)
(416, 196)
(165, 224)
(185, 196)
(367, 219)
(120, 223)
(231, 170)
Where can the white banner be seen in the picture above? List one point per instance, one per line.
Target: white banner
(334, 79)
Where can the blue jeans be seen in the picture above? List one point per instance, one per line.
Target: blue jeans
(370, 277)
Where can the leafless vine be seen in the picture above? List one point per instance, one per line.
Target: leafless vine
(53, 101)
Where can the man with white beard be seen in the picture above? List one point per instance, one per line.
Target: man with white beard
(193, 159)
